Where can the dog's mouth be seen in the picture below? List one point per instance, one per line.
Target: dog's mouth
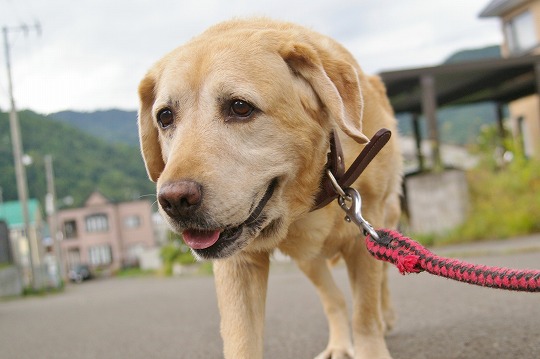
(211, 243)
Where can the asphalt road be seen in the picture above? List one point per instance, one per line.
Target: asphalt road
(178, 317)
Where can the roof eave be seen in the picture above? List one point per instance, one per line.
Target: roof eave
(499, 8)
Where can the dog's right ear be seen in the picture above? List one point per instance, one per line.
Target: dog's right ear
(335, 82)
(148, 132)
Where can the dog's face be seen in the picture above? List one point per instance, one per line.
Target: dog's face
(234, 129)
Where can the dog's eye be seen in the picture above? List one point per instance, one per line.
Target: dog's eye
(241, 108)
(165, 118)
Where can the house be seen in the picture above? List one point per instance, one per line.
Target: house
(520, 20)
(106, 235)
(11, 213)
(513, 80)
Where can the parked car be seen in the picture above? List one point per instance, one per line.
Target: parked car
(79, 273)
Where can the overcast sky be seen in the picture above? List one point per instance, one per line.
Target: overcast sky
(92, 53)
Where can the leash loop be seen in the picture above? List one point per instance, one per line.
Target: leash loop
(410, 256)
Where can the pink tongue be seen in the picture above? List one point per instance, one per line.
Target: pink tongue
(198, 239)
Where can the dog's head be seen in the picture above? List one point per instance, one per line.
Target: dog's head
(234, 129)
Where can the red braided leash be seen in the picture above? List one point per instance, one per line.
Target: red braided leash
(411, 257)
(408, 255)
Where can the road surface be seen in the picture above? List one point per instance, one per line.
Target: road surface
(178, 317)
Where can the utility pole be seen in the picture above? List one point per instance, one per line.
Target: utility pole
(16, 142)
(50, 205)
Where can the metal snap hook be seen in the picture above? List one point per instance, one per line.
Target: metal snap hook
(354, 211)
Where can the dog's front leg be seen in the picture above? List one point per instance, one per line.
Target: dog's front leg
(339, 343)
(241, 283)
(366, 277)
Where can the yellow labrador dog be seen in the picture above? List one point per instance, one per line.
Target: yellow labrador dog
(234, 128)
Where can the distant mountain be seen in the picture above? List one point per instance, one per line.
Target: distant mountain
(488, 52)
(113, 126)
(458, 125)
(82, 163)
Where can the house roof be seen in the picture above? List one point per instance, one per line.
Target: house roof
(498, 80)
(12, 213)
(96, 198)
(497, 8)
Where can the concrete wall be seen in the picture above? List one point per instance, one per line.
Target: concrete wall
(150, 259)
(437, 202)
(10, 282)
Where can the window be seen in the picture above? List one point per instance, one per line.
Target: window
(132, 221)
(100, 255)
(70, 229)
(97, 223)
(520, 33)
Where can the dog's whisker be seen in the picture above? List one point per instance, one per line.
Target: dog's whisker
(251, 218)
(148, 195)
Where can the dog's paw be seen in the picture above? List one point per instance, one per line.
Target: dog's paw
(336, 353)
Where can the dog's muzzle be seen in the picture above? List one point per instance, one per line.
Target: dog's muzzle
(210, 243)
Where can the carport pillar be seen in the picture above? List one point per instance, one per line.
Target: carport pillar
(537, 77)
(500, 124)
(418, 141)
(429, 109)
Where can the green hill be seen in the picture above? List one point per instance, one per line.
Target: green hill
(82, 163)
(114, 126)
(458, 125)
(488, 52)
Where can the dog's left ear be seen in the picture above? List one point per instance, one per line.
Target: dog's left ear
(148, 133)
(334, 81)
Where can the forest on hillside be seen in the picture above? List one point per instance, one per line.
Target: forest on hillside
(82, 163)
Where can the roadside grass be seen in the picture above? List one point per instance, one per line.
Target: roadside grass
(135, 272)
(202, 268)
(175, 253)
(504, 203)
(42, 292)
(176, 258)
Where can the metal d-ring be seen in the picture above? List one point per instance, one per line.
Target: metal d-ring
(336, 185)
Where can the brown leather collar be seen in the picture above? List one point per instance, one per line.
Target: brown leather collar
(336, 165)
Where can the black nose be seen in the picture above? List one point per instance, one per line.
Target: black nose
(180, 198)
